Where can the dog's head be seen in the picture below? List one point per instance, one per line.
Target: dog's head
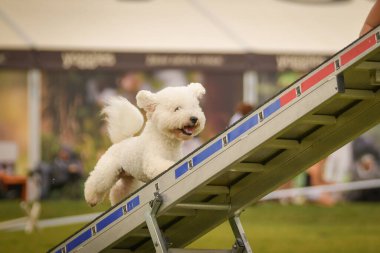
(175, 111)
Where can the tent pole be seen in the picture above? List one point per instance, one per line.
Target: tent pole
(34, 121)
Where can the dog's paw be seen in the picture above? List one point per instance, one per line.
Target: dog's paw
(91, 194)
(93, 198)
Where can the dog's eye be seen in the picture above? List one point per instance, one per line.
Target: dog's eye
(177, 108)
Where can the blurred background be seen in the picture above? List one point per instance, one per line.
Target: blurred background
(60, 60)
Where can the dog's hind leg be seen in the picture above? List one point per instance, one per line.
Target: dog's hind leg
(123, 187)
(152, 167)
(102, 178)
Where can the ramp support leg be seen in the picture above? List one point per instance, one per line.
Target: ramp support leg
(161, 246)
(241, 245)
(150, 216)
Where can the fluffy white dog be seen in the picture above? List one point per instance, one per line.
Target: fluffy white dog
(173, 115)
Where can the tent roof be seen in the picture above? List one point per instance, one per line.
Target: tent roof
(212, 26)
(284, 26)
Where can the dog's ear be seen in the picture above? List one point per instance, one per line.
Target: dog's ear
(146, 100)
(197, 89)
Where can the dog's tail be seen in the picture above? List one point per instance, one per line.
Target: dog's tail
(123, 118)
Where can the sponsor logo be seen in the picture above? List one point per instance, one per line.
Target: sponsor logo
(87, 60)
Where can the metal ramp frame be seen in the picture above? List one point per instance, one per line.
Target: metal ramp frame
(310, 119)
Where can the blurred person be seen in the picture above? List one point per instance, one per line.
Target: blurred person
(43, 170)
(241, 110)
(338, 165)
(373, 19)
(63, 173)
(129, 84)
(100, 90)
(66, 168)
(366, 156)
(356, 161)
(315, 175)
(336, 168)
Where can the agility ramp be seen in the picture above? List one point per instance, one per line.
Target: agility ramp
(310, 119)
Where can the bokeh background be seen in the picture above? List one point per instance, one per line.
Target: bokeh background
(60, 60)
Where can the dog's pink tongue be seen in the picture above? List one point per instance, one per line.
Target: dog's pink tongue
(188, 129)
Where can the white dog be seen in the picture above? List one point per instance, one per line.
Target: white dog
(173, 115)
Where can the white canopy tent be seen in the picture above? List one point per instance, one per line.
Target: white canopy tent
(207, 26)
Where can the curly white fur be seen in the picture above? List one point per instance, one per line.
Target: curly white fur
(124, 119)
(173, 115)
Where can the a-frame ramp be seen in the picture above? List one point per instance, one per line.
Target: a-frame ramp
(310, 119)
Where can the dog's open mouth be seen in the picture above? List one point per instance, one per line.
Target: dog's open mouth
(188, 130)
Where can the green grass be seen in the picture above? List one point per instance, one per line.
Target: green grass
(10, 209)
(274, 228)
(39, 241)
(269, 227)
(43, 239)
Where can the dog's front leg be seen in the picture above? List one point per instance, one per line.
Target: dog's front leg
(102, 178)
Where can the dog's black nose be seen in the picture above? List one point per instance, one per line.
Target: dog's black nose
(193, 119)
